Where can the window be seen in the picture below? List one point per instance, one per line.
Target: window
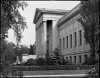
(75, 59)
(85, 57)
(67, 58)
(63, 43)
(70, 59)
(47, 44)
(75, 34)
(60, 43)
(80, 58)
(85, 42)
(80, 37)
(71, 41)
(66, 41)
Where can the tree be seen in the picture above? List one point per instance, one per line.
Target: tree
(10, 53)
(8, 56)
(9, 13)
(32, 49)
(90, 22)
(24, 49)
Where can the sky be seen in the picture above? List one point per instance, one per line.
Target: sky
(29, 12)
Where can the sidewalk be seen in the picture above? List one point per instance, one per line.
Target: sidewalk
(61, 76)
(54, 72)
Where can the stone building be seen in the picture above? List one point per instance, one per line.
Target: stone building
(46, 30)
(71, 37)
(61, 29)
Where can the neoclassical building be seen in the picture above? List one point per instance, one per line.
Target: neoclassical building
(46, 30)
(61, 29)
(72, 43)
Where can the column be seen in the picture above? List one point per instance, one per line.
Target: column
(54, 35)
(45, 37)
(84, 41)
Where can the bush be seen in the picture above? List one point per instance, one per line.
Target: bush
(50, 61)
(90, 61)
(30, 62)
(41, 61)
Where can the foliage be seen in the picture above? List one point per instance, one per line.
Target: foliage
(90, 61)
(10, 18)
(41, 61)
(57, 58)
(9, 13)
(8, 55)
(90, 21)
(24, 49)
(21, 50)
(57, 53)
(50, 61)
(32, 49)
(30, 62)
(94, 71)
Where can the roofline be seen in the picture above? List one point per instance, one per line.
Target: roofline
(69, 15)
(47, 11)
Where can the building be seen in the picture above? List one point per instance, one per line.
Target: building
(71, 37)
(46, 30)
(61, 29)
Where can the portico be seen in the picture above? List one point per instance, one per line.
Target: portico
(46, 30)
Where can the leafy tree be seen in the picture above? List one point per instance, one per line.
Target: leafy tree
(90, 21)
(9, 14)
(8, 55)
(32, 49)
(24, 49)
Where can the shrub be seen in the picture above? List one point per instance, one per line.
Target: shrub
(50, 61)
(30, 62)
(90, 61)
(41, 61)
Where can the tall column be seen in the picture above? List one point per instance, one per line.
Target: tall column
(54, 35)
(45, 37)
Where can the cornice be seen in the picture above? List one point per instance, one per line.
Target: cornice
(41, 11)
(69, 15)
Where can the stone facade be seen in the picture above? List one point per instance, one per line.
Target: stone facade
(46, 30)
(71, 37)
(61, 29)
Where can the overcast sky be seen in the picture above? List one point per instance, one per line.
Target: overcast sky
(28, 14)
